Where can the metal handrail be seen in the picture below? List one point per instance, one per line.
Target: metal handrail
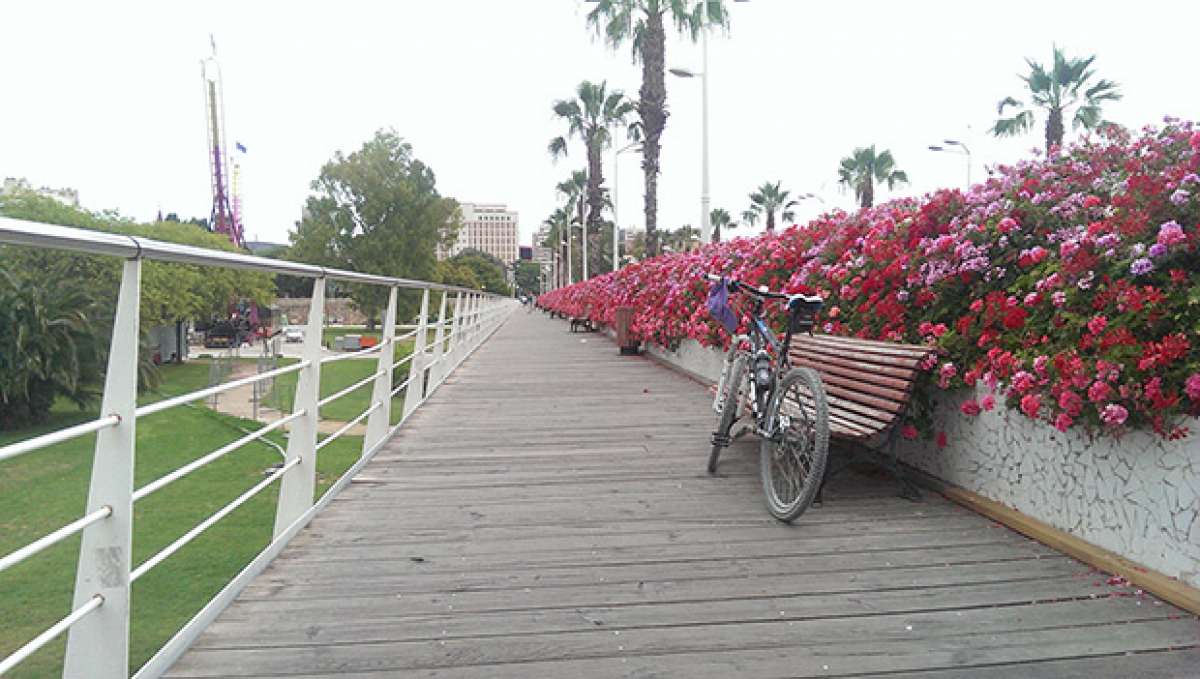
(38, 442)
(53, 538)
(165, 404)
(203, 525)
(353, 387)
(36, 234)
(224, 450)
(50, 634)
(476, 315)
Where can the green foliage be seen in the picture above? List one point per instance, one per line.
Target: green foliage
(767, 200)
(863, 168)
(1057, 90)
(529, 277)
(377, 211)
(48, 347)
(489, 272)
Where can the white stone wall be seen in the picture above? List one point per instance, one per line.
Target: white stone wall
(1138, 496)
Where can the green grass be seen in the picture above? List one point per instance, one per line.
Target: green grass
(329, 334)
(342, 374)
(41, 491)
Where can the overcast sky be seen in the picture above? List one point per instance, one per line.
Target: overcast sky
(106, 97)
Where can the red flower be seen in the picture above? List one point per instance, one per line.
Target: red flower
(1031, 404)
(1091, 201)
(970, 407)
(1015, 318)
(909, 432)
(941, 439)
(1071, 403)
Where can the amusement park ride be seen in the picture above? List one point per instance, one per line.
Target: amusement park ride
(242, 323)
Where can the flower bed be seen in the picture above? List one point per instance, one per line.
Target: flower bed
(1068, 286)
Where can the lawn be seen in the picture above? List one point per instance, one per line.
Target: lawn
(341, 374)
(41, 491)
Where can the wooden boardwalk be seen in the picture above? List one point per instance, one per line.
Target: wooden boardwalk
(547, 514)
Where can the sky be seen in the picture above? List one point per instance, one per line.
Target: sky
(106, 97)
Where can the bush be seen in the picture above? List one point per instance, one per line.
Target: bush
(1069, 286)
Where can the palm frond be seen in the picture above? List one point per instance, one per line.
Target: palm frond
(557, 148)
(1018, 124)
(1006, 102)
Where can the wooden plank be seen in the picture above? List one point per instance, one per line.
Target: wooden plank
(564, 527)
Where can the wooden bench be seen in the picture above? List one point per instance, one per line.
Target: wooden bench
(869, 385)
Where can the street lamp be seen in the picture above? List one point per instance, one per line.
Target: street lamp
(705, 217)
(963, 151)
(616, 213)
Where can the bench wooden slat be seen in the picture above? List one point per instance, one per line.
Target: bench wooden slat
(905, 373)
(859, 382)
(876, 350)
(870, 402)
(858, 372)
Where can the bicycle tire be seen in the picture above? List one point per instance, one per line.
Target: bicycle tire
(733, 384)
(799, 416)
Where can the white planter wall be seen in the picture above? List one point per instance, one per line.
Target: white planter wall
(1138, 496)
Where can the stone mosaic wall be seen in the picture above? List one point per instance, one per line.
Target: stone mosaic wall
(1138, 496)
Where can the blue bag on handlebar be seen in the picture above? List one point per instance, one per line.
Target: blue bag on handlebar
(718, 306)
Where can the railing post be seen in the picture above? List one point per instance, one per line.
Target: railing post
(98, 645)
(379, 421)
(414, 393)
(456, 336)
(437, 367)
(441, 350)
(299, 483)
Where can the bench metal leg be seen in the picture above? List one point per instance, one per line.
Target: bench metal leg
(908, 489)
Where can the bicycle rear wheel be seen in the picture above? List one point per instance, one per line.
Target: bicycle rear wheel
(792, 460)
(733, 389)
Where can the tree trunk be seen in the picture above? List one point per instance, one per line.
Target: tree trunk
(595, 202)
(1054, 130)
(770, 221)
(716, 233)
(652, 108)
(868, 194)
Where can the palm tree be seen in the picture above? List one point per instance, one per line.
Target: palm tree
(574, 192)
(719, 218)
(1058, 90)
(767, 200)
(591, 116)
(559, 222)
(641, 23)
(863, 168)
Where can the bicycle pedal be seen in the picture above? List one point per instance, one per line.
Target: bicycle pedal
(722, 440)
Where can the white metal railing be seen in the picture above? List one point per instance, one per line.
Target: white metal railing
(98, 625)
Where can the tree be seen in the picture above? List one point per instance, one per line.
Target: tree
(683, 239)
(489, 271)
(559, 223)
(766, 201)
(377, 211)
(860, 170)
(1058, 90)
(719, 218)
(642, 24)
(528, 276)
(574, 192)
(591, 117)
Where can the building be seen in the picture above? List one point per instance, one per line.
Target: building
(490, 227)
(12, 185)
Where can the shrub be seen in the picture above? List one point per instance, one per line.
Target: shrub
(1069, 286)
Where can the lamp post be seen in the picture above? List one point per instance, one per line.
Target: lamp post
(705, 217)
(963, 151)
(616, 213)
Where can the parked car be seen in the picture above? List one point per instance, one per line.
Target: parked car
(293, 335)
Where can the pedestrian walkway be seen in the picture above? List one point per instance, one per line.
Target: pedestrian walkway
(546, 514)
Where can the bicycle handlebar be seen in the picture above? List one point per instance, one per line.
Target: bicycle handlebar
(736, 286)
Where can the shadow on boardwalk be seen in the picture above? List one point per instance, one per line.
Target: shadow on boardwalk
(547, 514)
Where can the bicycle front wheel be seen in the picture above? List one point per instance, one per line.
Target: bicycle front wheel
(731, 392)
(792, 460)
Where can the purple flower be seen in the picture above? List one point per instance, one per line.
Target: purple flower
(1180, 197)
(1141, 267)
(1171, 233)
(1158, 250)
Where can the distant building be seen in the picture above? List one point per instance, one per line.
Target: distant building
(14, 185)
(526, 253)
(490, 227)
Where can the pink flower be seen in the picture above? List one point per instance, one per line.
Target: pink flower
(1097, 324)
(909, 432)
(1192, 387)
(1008, 225)
(970, 407)
(1063, 422)
(1099, 391)
(988, 402)
(1022, 382)
(1114, 415)
(1031, 404)
(1071, 403)
(1039, 364)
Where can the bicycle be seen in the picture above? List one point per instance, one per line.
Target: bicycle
(788, 407)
